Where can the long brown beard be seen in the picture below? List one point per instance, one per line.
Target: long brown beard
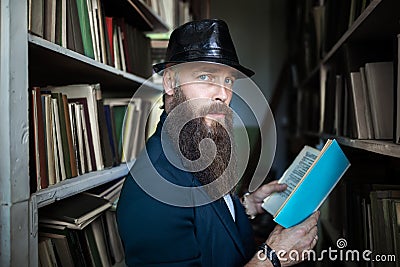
(220, 132)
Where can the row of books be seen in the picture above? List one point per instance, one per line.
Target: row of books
(76, 131)
(173, 12)
(81, 230)
(359, 106)
(359, 95)
(374, 218)
(82, 26)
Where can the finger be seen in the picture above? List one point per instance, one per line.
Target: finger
(278, 229)
(270, 188)
(314, 242)
(309, 223)
(310, 237)
(313, 231)
(313, 219)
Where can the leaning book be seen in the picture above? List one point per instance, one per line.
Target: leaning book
(310, 179)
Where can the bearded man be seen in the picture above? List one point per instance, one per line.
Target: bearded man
(178, 206)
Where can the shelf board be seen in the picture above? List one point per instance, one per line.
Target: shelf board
(51, 64)
(383, 147)
(79, 184)
(387, 148)
(373, 24)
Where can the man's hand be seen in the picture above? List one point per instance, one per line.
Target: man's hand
(290, 243)
(255, 199)
(303, 236)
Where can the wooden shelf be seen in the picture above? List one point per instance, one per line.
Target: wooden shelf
(51, 64)
(79, 184)
(383, 147)
(378, 22)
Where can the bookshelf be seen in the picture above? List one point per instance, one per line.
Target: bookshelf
(28, 60)
(347, 212)
(361, 30)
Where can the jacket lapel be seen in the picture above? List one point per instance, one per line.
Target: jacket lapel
(225, 216)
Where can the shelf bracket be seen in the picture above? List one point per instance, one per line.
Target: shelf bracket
(33, 216)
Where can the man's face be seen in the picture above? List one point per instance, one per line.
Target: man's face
(209, 116)
(206, 81)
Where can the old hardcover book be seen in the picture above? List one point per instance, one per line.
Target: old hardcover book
(36, 17)
(310, 179)
(50, 20)
(76, 209)
(104, 137)
(48, 115)
(367, 105)
(70, 143)
(359, 105)
(111, 134)
(74, 34)
(84, 22)
(39, 140)
(380, 88)
(109, 26)
(63, 133)
(58, 147)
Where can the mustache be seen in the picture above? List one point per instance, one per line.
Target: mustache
(216, 108)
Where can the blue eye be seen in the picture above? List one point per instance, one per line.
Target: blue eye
(204, 77)
(228, 81)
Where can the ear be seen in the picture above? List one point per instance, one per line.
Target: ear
(168, 82)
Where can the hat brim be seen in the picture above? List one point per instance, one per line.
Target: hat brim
(160, 67)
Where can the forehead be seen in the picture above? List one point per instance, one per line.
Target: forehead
(205, 67)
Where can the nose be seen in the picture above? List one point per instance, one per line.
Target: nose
(221, 93)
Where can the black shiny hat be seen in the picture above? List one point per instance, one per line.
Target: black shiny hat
(205, 40)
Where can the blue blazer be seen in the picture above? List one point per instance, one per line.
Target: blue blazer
(158, 234)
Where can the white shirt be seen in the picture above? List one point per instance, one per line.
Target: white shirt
(229, 203)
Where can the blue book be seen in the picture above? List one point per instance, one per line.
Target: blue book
(310, 179)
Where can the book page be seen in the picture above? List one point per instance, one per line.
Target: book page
(291, 177)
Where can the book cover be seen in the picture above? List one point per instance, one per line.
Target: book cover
(36, 17)
(76, 209)
(310, 178)
(68, 128)
(367, 111)
(109, 31)
(104, 136)
(83, 15)
(359, 105)
(63, 132)
(50, 20)
(74, 35)
(58, 148)
(380, 88)
(39, 140)
(111, 134)
(48, 122)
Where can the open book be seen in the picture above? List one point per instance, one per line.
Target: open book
(310, 179)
